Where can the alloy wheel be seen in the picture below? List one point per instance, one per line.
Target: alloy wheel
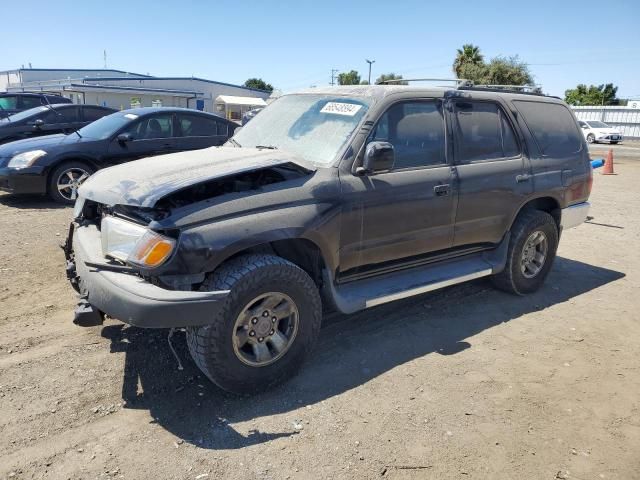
(265, 329)
(534, 254)
(69, 181)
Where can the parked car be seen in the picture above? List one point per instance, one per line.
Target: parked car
(595, 131)
(58, 164)
(250, 114)
(364, 194)
(50, 119)
(11, 103)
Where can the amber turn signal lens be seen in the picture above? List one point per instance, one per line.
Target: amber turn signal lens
(152, 250)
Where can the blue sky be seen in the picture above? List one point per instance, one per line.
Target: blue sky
(295, 44)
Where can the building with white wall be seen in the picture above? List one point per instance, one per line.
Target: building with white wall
(122, 90)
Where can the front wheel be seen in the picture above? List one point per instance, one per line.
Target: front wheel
(591, 138)
(266, 327)
(66, 179)
(532, 249)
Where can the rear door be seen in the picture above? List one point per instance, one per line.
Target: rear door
(153, 134)
(201, 131)
(492, 171)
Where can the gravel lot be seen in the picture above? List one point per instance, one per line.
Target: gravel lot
(467, 382)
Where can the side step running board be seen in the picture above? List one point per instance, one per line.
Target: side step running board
(358, 295)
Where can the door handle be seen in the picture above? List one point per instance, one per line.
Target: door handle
(523, 178)
(441, 190)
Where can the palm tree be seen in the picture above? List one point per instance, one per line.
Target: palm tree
(469, 53)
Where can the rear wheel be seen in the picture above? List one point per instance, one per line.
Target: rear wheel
(532, 249)
(66, 179)
(266, 327)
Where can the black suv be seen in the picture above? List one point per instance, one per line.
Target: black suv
(49, 119)
(58, 164)
(11, 103)
(349, 197)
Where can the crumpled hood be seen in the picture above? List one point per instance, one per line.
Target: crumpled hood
(144, 182)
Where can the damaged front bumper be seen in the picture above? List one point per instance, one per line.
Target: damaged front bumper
(121, 294)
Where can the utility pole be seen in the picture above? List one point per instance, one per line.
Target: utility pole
(370, 62)
(333, 76)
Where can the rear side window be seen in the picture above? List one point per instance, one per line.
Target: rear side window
(483, 132)
(91, 114)
(552, 126)
(197, 126)
(31, 102)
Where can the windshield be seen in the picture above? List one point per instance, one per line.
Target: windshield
(314, 127)
(598, 125)
(16, 117)
(104, 127)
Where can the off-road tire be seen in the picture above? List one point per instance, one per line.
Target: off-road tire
(511, 279)
(591, 138)
(53, 191)
(248, 276)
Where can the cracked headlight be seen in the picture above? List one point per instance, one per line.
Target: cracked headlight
(26, 159)
(134, 244)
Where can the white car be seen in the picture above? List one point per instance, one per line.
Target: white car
(595, 131)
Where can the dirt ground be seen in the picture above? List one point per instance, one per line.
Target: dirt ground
(467, 382)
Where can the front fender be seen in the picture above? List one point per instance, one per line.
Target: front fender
(204, 247)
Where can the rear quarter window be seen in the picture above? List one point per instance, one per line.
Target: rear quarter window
(552, 126)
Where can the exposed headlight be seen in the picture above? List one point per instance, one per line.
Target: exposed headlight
(26, 159)
(133, 243)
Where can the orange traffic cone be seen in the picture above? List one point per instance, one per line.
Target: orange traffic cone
(608, 164)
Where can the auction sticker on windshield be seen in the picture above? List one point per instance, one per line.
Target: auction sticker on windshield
(338, 108)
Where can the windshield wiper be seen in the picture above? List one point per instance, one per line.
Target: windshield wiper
(268, 147)
(235, 142)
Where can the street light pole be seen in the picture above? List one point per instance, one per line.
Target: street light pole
(370, 62)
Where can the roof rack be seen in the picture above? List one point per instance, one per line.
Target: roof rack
(459, 82)
(527, 89)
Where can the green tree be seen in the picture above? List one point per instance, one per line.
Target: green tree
(508, 71)
(592, 95)
(467, 55)
(349, 78)
(499, 71)
(259, 84)
(390, 76)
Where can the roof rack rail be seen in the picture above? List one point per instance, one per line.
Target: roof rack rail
(460, 82)
(530, 89)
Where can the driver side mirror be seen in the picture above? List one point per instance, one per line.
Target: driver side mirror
(38, 123)
(378, 157)
(124, 137)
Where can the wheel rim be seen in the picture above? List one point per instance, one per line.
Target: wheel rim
(265, 329)
(534, 254)
(590, 138)
(69, 181)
